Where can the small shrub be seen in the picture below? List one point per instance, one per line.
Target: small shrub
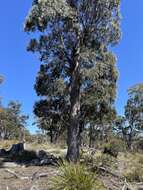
(86, 158)
(73, 177)
(111, 150)
(114, 147)
(104, 160)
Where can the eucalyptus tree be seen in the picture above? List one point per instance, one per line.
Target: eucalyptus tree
(99, 95)
(74, 35)
(4, 122)
(121, 129)
(134, 112)
(18, 121)
(130, 126)
(53, 111)
(12, 122)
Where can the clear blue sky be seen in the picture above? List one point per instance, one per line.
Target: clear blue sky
(20, 68)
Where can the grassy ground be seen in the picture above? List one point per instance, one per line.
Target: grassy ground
(127, 165)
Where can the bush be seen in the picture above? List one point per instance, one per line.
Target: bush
(111, 150)
(73, 177)
(104, 160)
(114, 147)
(86, 157)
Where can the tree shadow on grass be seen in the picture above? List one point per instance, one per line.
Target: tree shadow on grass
(18, 155)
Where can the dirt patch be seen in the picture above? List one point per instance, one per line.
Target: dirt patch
(9, 182)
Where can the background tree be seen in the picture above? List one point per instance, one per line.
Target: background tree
(130, 126)
(12, 122)
(75, 36)
(53, 111)
(134, 112)
(4, 124)
(99, 97)
(18, 119)
(121, 129)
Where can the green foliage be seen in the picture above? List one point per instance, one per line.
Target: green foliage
(98, 160)
(104, 160)
(114, 147)
(77, 79)
(86, 157)
(134, 112)
(73, 177)
(13, 122)
(129, 127)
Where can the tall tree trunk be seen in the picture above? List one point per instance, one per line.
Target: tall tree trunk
(73, 135)
(73, 132)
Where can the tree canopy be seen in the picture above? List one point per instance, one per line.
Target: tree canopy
(74, 38)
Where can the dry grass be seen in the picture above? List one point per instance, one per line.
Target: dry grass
(51, 148)
(129, 165)
(6, 144)
(132, 167)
